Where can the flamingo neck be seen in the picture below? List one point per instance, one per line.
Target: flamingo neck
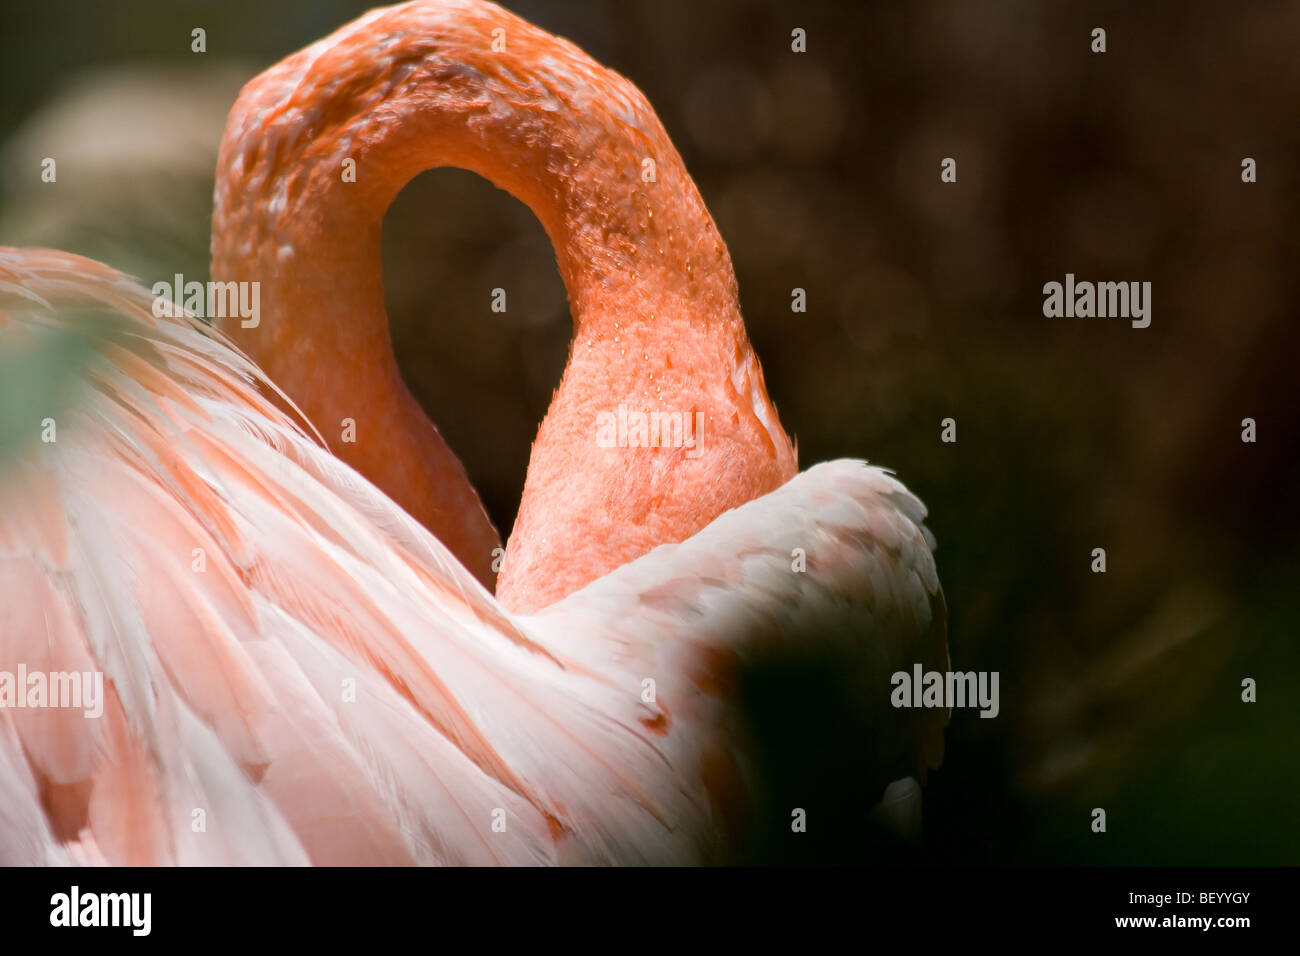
(657, 327)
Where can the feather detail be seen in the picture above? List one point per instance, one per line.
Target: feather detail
(295, 671)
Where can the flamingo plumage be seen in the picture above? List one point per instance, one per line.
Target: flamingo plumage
(657, 321)
(304, 656)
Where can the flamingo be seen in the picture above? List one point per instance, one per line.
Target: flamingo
(302, 659)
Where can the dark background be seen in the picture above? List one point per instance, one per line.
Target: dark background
(1119, 690)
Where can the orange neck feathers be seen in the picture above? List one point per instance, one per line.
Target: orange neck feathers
(661, 421)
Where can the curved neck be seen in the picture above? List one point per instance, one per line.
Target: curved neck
(649, 280)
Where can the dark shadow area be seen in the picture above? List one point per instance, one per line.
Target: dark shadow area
(485, 377)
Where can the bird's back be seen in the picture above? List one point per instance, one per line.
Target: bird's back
(280, 666)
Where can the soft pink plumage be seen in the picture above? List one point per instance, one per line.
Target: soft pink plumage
(226, 687)
(295, 663)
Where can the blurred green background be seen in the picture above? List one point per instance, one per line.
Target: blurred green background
(1119, 690)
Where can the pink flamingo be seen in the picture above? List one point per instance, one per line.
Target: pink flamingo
(294, 669)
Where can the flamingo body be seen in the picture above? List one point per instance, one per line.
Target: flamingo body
(334, 687)
(299, 668)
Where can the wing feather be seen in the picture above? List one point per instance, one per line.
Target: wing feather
(295, 671)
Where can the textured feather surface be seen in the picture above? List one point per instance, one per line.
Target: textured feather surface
(292, 661)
